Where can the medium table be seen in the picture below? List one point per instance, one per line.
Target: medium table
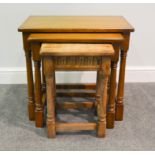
(94, 29)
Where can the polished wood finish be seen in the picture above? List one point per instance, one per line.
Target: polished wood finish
(112, 89)
(38, 89)
(76, 105)
(120, 92)
(76, 37)
(76, 90)
(120, 95)
(80, 126)
(50, 90)
(31, 104)
(76, 50)
(76, 24)
(103, 74)
(51, 61)
(76, 93)
(88, 86)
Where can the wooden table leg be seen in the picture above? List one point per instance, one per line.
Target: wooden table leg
(120, 92)
(112, 91)
(38, 88)
(50, 89)
(102, 98)
(31, 105)
(38, 95)
(111, 102)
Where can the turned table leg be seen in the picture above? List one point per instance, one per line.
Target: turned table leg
(112, 90)
(38, 95)
(31, 105)
(30, 85)
(50, 89)
(120, 93)
(111, 102)
(38, 87)
(102, 96)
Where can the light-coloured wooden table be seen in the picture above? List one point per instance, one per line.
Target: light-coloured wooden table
(94, 29)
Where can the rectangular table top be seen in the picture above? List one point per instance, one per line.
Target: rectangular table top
(76, 24)
(48, 49)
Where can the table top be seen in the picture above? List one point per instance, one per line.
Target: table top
(48, 49)
(76, 24)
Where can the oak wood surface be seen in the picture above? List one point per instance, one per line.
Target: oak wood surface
(120, 92)
(75, 105)
(76, 24)
(75, 126)
(84, 93)
(30, 83)
(38, 88)
(112, 89)
(76, 86)
(103, 75)
(73, 90)
(76, 37)
(76, 49)
(50, 89)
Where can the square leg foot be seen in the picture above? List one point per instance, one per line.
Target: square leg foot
(51, 130)
(39, 119)
(110, 120)
(119, 112)
(101, 130)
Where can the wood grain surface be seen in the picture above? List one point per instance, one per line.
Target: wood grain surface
(76, 24)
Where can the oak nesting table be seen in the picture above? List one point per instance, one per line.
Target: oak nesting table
(75, 57)
(75, 29)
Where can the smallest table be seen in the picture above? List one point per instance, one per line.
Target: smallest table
(76, 57)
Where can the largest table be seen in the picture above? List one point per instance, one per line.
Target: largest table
(81, 25)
